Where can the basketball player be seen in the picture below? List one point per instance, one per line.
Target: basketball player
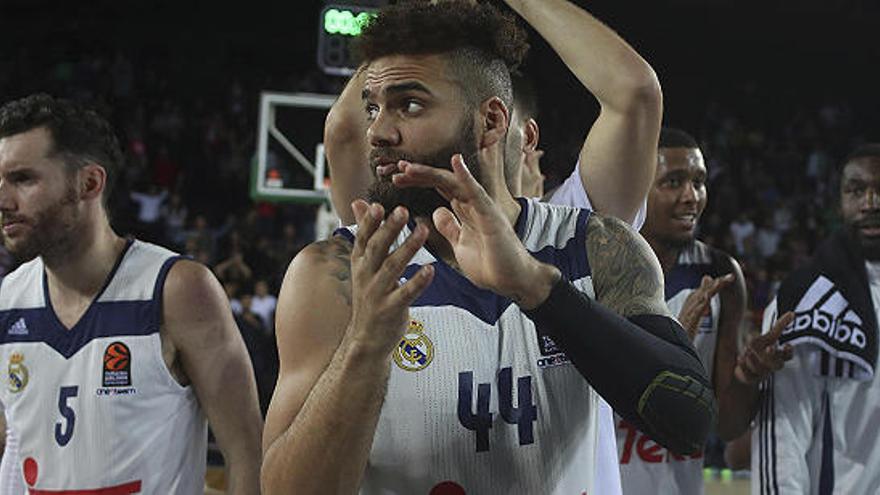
(116, 350)
(397, 367)
(616, 162)
(817, 425)
(706, 289)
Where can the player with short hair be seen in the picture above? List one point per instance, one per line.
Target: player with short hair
(116, 350)
(410, 360)
(616, 161)
(706, 289)
(817, 428)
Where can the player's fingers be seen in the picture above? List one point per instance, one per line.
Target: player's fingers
(768, 361)
(468, 182)
(706, 282)
(379, 243)
(367, 224)
(752, 363)
(397, 260)
(447, 225)
(786, 352)
(407, 293)
(780, 354)
(770, 338)
(745, 375)
(418, 175)
(383, 170)
(359, 207)
(722, 282)
(775, 362)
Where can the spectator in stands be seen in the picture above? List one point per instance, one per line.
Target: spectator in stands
(263, 304)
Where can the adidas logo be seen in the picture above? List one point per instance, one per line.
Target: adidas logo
(18, 328)
(825, 311)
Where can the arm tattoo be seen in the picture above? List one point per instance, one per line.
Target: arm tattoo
(626, 274)
(336, 253)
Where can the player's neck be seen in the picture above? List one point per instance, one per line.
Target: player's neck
(667, 253)
(83, 267)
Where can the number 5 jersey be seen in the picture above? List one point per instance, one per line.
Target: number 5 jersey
(94, 407)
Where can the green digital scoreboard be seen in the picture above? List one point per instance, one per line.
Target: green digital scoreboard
(339, 25)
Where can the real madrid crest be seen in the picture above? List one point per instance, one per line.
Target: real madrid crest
(415, 350)
(17, 373)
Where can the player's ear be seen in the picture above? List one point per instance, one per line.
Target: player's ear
(494, 120)
(92, 179)
(531, 136)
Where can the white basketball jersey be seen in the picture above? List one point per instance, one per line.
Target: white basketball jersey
(11, 482)
(94, 408)
(572, 192)
(478, 402)
(645, 466)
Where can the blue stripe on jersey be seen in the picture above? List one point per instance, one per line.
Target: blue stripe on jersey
(101, 319)
(450, 288)
(682, 277)
(159, 288)
(344, 232)
(572, 258)
(105, 319)
(826, 472)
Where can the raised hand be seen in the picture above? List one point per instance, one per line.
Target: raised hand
(697, 302)
(380, 304)
(762, 355)
(486, 248)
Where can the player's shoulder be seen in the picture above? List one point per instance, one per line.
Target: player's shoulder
(701, 253)
(723, 261)
(315, 298)
(22, 287)
(614, 244)
(317, 267)
(189, 281)
(606, 228)
(336, 249)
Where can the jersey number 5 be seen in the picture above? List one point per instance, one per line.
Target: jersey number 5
(64, 428)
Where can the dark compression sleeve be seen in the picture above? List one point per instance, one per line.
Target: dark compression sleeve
(644, 367)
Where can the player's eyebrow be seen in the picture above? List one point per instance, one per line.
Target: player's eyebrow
(404, 87)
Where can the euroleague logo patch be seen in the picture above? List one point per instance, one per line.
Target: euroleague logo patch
(415, 350)
(117, 366)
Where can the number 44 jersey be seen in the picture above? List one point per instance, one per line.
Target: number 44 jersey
(478, 402)
(94, 407)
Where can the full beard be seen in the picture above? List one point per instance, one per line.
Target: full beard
(870, 246)
(52, 232)
(420, 201)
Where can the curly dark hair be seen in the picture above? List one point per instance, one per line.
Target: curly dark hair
(483, 43)
(79, 134)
